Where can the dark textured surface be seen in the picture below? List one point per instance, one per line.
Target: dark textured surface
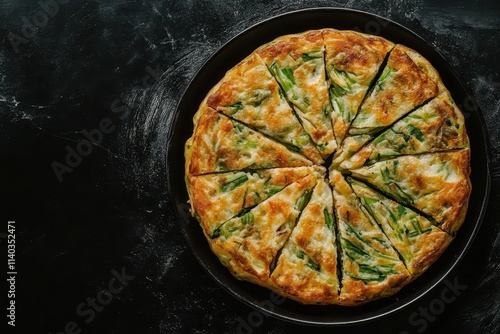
(128, 64)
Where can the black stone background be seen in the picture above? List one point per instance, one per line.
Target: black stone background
(129, 62)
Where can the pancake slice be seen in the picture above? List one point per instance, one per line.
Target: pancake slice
(352, 61)
(402, 86)
(248, 244)
(436, 184)
(437, 126)
(297, 63)
(371, 268)
(221, 144)
(418, 241)
(216, 198)
(249, 93)
(306, 269)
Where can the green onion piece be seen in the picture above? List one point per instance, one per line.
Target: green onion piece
(303, 200)
(348, 245)
(251, 144)
(228, 186)
(313, 265)
(234, 108)
(283, 76)
(416, 225)
(289, 74)
(415, 132)
(386, 175)
(292, 147)
(273, 190)
(384, 76)
(329, 220)
(247, 218)
(402, 194)
(312, 55)
(412, 234)
(300, 255)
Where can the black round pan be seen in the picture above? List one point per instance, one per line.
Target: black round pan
(237, 49)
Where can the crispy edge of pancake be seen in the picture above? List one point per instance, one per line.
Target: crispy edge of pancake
(290, 44)
(454, 219)
(368, 49)
(203, 191)
(425, 66)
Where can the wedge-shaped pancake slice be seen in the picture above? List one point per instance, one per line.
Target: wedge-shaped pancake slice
(352, 61)
(402, 86)
(418, 241)
(436, 184)
(297, 63)
(437, 126)
(222, 144)
(306, 270)
(371, 268)
(216, 198)
(249, 243)
(250, 94)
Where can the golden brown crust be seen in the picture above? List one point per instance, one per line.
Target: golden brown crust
(292, 45)
(355, 52)
(425, 66)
